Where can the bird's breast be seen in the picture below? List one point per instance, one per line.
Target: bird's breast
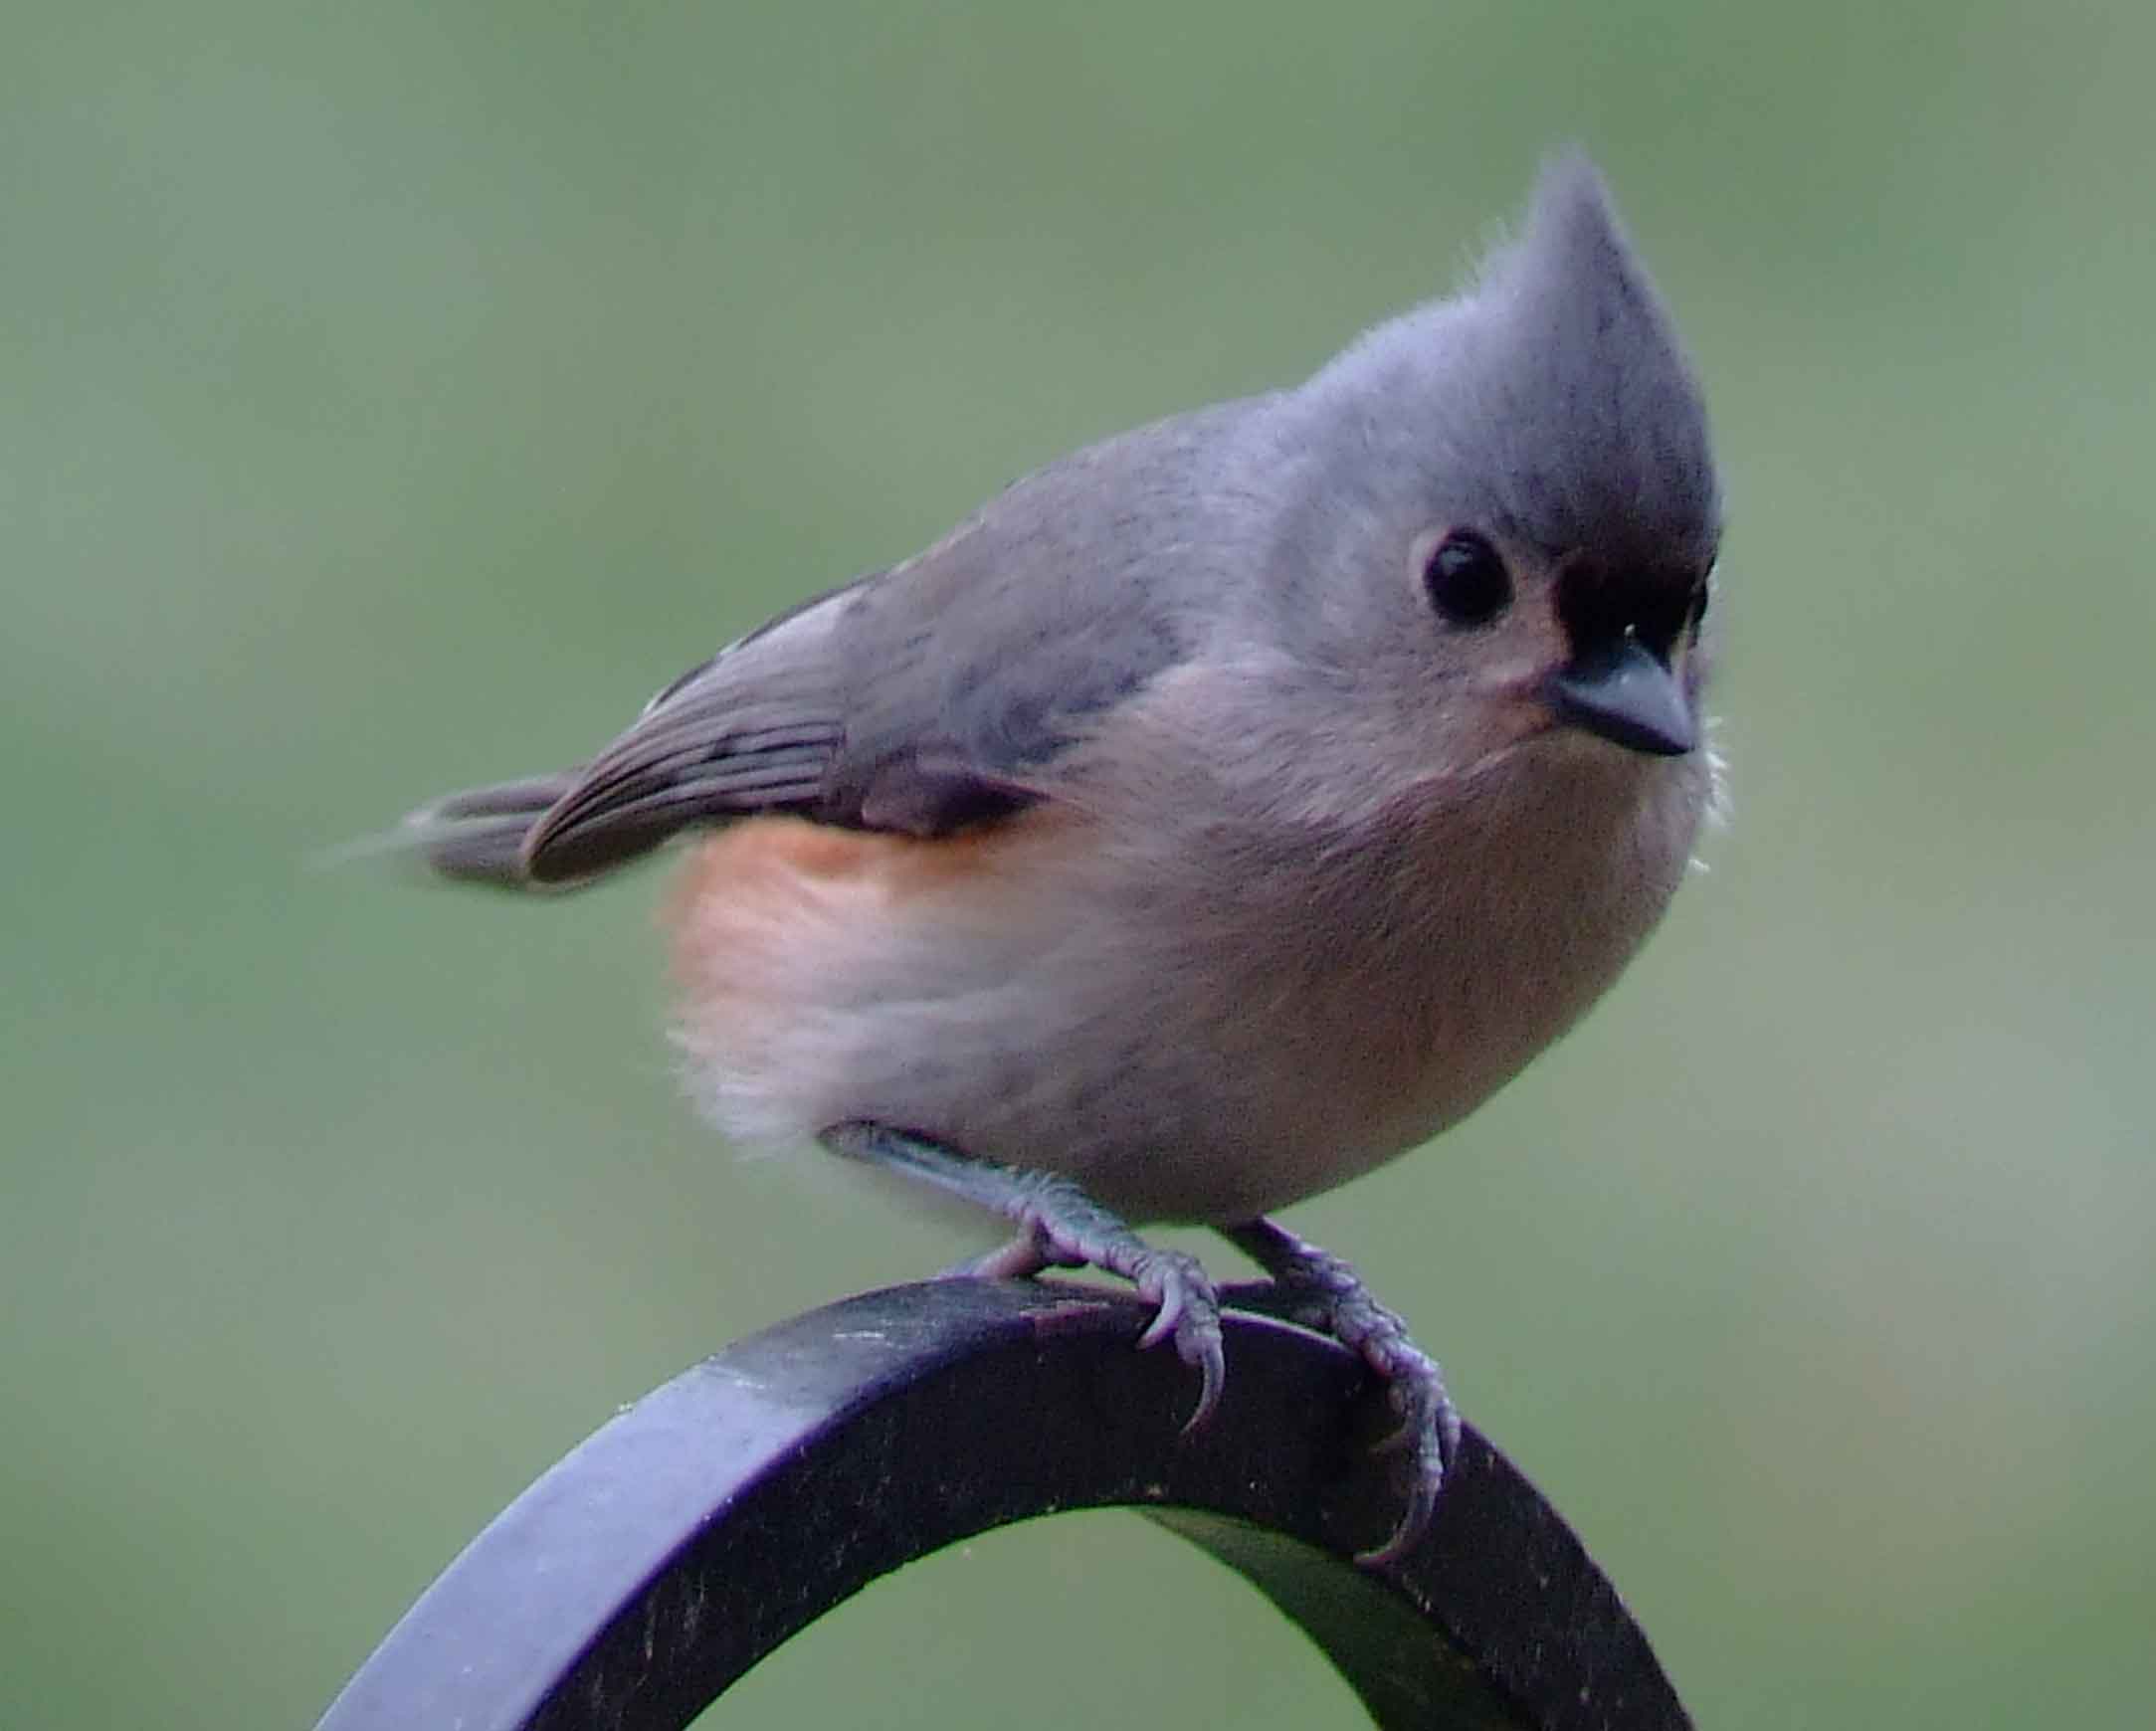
(1193, 1027)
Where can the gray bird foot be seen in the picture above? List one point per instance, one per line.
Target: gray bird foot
(1060, 1226)
(1318, 1290)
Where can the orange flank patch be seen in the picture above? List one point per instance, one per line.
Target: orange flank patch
(768, 865)
(769, 911)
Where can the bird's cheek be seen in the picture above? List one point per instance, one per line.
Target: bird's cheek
(1497, 717)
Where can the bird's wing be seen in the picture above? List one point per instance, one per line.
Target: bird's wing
(757, 728)
(935, 694)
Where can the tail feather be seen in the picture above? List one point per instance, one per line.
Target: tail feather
(477, 836)
(486, 834)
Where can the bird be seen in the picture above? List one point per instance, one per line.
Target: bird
(1216, 813)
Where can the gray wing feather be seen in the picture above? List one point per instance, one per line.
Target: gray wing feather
(939, 693)
(1008, 643)
(747, 733)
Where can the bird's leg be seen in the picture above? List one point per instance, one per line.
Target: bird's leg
(1059, 1226)
(1317, 1289)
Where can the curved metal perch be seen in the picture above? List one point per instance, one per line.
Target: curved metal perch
(690, 1536)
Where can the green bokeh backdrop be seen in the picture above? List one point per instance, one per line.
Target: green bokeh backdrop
(392, 395)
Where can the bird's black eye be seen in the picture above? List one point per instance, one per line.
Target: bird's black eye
(1467, 582)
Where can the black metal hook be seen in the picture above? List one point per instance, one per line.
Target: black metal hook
(694, 1532)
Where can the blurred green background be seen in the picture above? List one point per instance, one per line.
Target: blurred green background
(392, 396)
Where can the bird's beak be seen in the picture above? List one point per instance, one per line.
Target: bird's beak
(1624, 691)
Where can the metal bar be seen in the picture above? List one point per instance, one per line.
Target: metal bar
(693, 1533)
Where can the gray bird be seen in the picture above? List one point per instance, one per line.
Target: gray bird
(1217, 813)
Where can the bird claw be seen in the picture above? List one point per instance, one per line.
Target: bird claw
(1428, 1435)
(1324, 1292)
(1188, 1314)
(1186, 1305)
(1059, 1226)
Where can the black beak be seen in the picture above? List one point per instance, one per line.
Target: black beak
(1622, 690)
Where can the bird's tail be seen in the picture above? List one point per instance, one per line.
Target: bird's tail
(477, 836)
(486, 835)
(473, 836)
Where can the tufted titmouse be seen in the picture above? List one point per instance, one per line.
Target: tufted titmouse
(1220, 811)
